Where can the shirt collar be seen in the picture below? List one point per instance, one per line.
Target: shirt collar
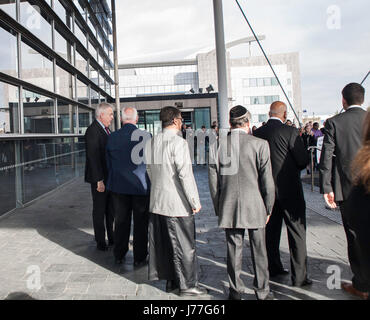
(355, 106)
(276, 118)
(102, 125)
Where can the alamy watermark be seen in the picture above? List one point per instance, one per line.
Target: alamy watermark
(334, 19)
(335, 279)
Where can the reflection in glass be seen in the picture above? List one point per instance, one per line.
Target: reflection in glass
(81, 63)
(8, 53)
(63, 82)
(61, 12)
(36, 68)
(8, 108)
(94, 98)
(84, 119)
(7, 176)
(80, 35)
(38, 113)
(66, 113)
(82, 93)
(9, 7)
(49, 163)
(94, 76)
(63, 47)
(32, 18)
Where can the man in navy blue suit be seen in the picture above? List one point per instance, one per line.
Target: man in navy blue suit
(130, 187)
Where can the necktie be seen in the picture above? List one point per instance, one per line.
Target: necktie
(107, 130)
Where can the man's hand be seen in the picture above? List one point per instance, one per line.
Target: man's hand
(329, 199)
(197, 209)
(101, 186)
(268, 218)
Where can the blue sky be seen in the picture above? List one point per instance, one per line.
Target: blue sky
(332, 37)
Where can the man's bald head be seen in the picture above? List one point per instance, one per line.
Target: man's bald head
(278, 109)
(129, 115)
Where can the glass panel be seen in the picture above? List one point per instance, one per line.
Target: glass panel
(8, 108)
(267, 81)
(50, 163)
(7, 176)
(82, 94)
(262, 118)
(66, 113)
(202, 117)
(260, 82)
(77, 4)
(81, 63)
(274, 82)
(38, 113)
(94, 76)
(252, 82)
(60, 11)
(36, 68)
(9, 7)
(63, 47)
(80, 35)
(35, 21)
(84, 119)
(93, 51)
(94, 98)
(63, 81)
(8, 53)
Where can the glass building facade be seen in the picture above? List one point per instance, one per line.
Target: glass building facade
(55, 68)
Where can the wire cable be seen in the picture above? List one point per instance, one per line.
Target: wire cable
(268, 61)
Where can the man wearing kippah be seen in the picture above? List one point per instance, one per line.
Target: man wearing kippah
(243, 194)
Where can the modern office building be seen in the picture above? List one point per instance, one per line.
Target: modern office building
(55, 67)
(250, 81)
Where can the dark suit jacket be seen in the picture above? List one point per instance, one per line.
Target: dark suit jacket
(95, 142)
(124, 175)
(288, 158)
(242, 190)
(343, 138)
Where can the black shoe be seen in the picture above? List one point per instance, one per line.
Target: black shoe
(171, 286)
(234, 296)
(195, 291)
(102, 247)
(282, 272)
(138, 264)
(306, 282)
(118, 261)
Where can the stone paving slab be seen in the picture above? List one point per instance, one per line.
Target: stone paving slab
(54, 235)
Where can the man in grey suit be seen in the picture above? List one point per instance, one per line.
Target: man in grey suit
(243, 193)
(174, 200)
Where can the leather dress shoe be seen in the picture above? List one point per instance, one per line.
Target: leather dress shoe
(282, 272)
(348, 287)
(195, 291)
(171, 286)
(102, 247)
(138, 264)
(306, 282)
(234, 296)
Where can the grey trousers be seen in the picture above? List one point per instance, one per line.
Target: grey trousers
(234, 239)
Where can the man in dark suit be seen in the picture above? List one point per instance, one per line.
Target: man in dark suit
(96, 137)
(288, 158)
(129, 185)
(343, 138)
(243, 192)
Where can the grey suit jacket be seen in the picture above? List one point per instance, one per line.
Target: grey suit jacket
(173, 192)
(243, 191)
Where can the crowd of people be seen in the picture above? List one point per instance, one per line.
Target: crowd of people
(255, 185)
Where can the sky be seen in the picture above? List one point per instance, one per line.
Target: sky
(332, 38)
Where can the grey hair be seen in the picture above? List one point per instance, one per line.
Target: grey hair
(235, 123)
(126, 117)
(102, 107)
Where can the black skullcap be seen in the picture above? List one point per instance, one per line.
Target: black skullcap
(238, 112)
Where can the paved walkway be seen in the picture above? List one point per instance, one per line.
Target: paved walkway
(53, 237)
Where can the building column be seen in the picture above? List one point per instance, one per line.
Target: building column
(221, 65)
(116, 75)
